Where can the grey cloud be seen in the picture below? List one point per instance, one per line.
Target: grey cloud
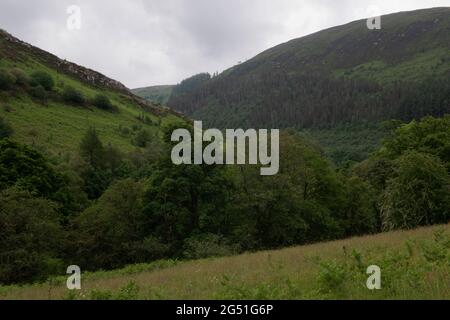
(157, 42)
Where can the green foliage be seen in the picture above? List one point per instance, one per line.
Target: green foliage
(206, 246)
(91, 148)
(102, 295)
(7, 80)
(181, 201)
(128, 292)
(417, 194)
(38, 92)
(42, 78)
(332, 276)
(112, 233)
(407, 273)
(307, 201)
(349, 143)
(125, 131)
(410, 174)
(414, 272)
(103, 102)
(5, 129)
(141, 138)
(22, 79)
(100, 164)
(31, 237)
(190, 84)
(359, 214)
(430, 135)
(73, 96)
(26, 169)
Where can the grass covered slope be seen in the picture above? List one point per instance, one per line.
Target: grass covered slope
(55, 125)
(414, 265)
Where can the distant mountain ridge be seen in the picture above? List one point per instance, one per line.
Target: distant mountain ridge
(340, 75)
(155, 94)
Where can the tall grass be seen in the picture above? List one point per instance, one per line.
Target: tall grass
(414, 265)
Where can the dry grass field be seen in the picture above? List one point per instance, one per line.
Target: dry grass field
(414, 264)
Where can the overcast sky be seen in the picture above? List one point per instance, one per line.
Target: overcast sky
(151, 42)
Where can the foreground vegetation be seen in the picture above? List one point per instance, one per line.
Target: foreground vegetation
(414, 265)
(107, 210)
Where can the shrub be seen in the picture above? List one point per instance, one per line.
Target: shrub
(38, 92)
(128, 292)
(72, 95)
(145, 119)
(41, 78)
(22, 79)
(102, 295)
(8, 108)
(5, 129)
(332, 276)
(125, 131)
(24, 167)
(101, 101)
(7, 80)
(206, 246)
(142, 138)
(153, 248)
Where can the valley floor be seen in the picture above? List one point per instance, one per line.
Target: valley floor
(414, 265)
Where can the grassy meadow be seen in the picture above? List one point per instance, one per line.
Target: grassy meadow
(414, 265)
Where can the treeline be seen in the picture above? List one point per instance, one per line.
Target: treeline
(409, 175)
(104, 209)
(276, 98)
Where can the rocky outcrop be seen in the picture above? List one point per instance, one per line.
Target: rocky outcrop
(18, 50)
(88, 75)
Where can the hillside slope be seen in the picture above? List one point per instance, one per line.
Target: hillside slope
(344, 74)
(155, 94)
(53, 124)
(414, 265)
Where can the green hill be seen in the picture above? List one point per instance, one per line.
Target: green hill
(347, 76)
(414, 265)
(155, 94)
(53, 122)
(336, 75)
